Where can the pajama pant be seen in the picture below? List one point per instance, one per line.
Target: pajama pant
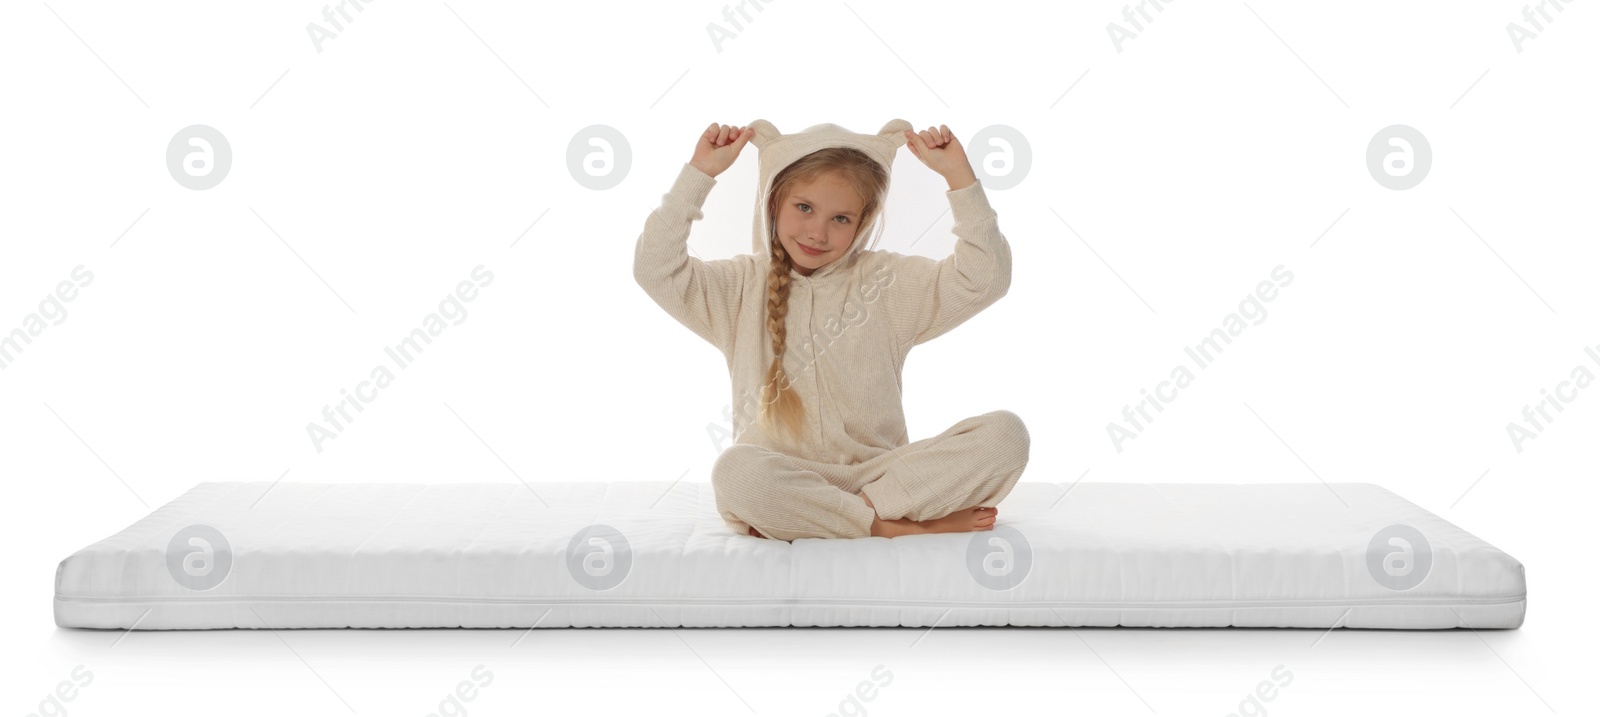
(973, 463)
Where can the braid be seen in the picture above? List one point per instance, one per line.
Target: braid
(780, 402)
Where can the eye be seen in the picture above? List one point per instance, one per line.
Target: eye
(806, 208)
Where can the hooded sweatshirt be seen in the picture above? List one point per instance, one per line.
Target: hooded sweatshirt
(849, 324)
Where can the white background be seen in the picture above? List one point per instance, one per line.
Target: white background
(1166, 181)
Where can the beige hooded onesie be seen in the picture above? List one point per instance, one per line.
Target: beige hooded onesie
(850, 325)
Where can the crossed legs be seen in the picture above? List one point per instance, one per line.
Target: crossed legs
(947, 483)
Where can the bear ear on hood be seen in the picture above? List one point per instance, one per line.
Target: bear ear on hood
(895, 131)
(764, 132)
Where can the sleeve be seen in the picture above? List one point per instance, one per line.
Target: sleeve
(928, 298)
(704, 296)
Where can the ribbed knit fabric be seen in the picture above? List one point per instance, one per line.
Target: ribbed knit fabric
(850, 325)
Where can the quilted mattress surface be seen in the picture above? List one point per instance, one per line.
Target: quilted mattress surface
(656, 554)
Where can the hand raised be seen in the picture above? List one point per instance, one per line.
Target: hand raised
(938, 148)
(718, 146)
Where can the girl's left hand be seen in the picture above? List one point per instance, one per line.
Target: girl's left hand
(938, 148)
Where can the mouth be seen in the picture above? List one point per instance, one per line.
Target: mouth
(811, 252)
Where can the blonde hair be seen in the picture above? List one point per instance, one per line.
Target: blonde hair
(780, 403)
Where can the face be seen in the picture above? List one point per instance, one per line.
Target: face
(817, 222)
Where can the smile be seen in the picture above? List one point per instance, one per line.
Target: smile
(810, 251)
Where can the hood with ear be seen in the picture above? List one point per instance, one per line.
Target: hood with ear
(778, 150)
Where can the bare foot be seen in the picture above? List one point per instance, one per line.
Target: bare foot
(755, 532)
(965, 520)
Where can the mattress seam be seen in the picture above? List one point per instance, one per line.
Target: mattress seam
(1175, 605)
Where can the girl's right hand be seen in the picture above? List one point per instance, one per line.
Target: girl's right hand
(718, 147)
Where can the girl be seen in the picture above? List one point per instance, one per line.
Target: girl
(816, 328)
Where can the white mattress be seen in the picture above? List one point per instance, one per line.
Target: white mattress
(305, 555)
